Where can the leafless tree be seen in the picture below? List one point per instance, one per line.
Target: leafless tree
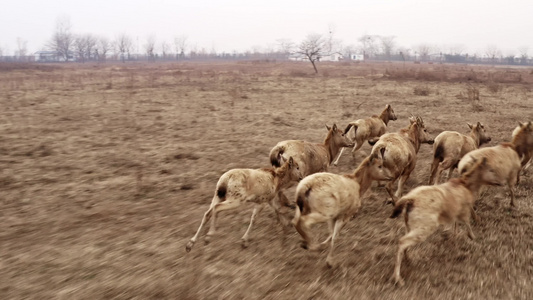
(165, 49)
(103, 47)
(387, 45)
(456, 49)
(285, 46)
(312, 48)
(62, 39)
(85, 46)
(123, 43)
(369, 44)
(181, 44)
(423, 51)
(149, 46)
(349, 50)
(492, 52)
(22, 47)
(523, 54)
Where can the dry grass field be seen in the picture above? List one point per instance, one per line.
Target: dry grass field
(106, 171)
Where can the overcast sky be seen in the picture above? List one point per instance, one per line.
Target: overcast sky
(228, 25)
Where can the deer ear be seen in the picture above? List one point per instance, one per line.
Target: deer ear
(388, 106)
(469, 125)
(328, 128)
(291, 162)
(478, 124)
(382, 151)
(334, 127)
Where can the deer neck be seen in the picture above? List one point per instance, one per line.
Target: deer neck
(281, 178)
(385, 117)
(519, 144)
(331, 148)
(475, 136)
(362, 177)
(414, 138)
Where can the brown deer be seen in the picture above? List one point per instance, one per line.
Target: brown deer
(311, 157)
(333, 198)
(238, 186)
(400, 152)
(366, 129)
(523, 140)
(503, 159)
(426, 207)
(451, 146)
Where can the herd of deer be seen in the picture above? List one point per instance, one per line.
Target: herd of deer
(323, 197)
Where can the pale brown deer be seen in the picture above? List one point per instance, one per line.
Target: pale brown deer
(238, 186)
(400, 152)
(503, 159)
(426, 207)
(333, 198)
(451, 146)
(366, 129)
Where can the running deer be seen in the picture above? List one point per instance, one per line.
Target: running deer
(238, 186)
(426, 207)
(451, 146)
(366, 129)
(334, 198)
(400, 152)
(311, 157)
(504, 159)
(523, 140)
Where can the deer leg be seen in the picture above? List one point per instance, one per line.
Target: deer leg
(207, 216)
(257, 209)
(434, 171)
(413, 237)
(337, 227)
(402, 180)
(226, 205)
(388, 188)
(357, 146)
(331, 229)
(338, 157)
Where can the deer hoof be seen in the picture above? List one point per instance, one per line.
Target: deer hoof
(303, 244)
(399, 281)
(331, 264)
(189, 246)
(244, 244)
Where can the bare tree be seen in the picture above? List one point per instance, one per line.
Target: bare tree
(123, 44)
(22, 47)
(312, 48)
(62, 39)
(85, 46)
(423, 51)
(456, 49)
(492, 52)
(369, 45)
(285, 47)
(149, 46)
(387, 45)
(181, 44)
(165, 49)
(332, 44)
(102, 48)
(523, 54)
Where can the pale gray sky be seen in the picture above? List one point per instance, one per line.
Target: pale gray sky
(228, 25)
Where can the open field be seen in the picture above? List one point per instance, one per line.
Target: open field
(106, 171)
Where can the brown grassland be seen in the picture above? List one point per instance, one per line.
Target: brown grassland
(106, 171)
